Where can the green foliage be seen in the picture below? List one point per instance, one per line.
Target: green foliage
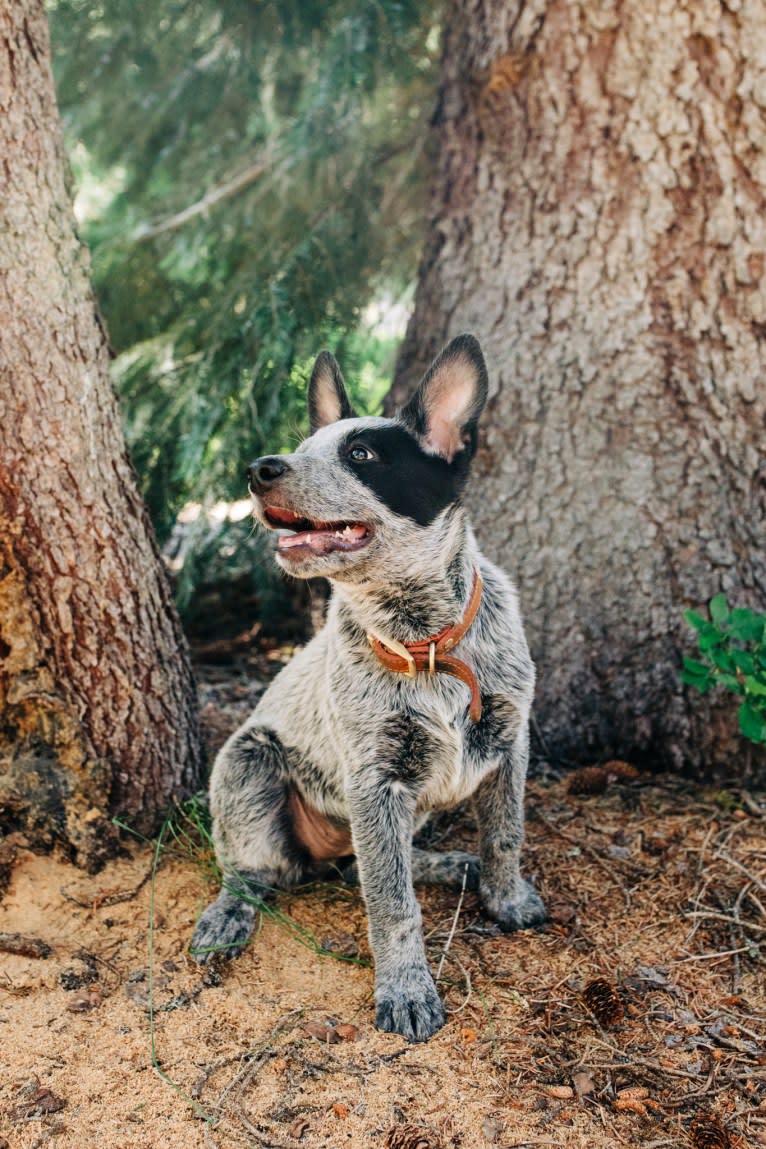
(251, 176)
(732, 643)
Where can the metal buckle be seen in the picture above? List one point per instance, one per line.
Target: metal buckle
(400, 649)
(432, 658)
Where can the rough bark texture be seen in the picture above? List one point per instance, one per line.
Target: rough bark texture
(599, 220)
(97, 699)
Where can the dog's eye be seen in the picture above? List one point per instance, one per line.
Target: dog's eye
(359, 453)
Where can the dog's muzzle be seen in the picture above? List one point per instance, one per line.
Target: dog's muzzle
(265, 472)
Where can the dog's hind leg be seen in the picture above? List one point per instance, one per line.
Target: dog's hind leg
(432, 868)
(499, 803)
(445, 868)
(253, 838)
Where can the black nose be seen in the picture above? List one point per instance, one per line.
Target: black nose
(263, 473)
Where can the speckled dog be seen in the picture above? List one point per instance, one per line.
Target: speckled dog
(415, 695)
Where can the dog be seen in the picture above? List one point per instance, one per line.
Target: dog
(414, 696)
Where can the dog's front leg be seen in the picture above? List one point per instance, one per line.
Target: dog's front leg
(382, 823)
(499, 804)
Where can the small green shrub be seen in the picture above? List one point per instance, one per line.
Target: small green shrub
(732, 645)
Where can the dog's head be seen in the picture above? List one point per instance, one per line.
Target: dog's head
(360, 492)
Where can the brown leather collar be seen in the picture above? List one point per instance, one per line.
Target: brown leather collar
(431, 653)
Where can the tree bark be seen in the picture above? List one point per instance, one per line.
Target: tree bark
(97, 697)
(599, 220)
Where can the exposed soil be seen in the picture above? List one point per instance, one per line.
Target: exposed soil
(654, 885)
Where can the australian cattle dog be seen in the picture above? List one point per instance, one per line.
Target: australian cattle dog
(414, 696)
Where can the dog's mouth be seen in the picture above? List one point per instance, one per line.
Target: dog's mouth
(310, 537)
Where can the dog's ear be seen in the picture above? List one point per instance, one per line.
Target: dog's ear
(445, 409)
(328, 401)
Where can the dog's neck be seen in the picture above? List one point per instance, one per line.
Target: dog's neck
(413, 603)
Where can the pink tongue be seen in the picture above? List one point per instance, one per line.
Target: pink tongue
(320, 542)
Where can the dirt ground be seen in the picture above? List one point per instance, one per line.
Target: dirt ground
(636, 1017)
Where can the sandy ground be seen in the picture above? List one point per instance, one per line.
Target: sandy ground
(654, 886)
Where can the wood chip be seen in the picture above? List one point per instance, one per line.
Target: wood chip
(85, 1000)
(24, 946)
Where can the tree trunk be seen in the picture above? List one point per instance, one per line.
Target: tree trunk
(599, 221)
(96, 693)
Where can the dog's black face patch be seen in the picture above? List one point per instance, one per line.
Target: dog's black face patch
(401, 475)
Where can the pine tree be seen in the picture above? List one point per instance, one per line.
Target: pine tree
(97, 697)
(250, 176)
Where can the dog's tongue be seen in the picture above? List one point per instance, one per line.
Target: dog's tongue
(321, 542)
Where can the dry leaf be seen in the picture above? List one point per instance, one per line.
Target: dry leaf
(562, 913)
(583, 1083)
(340, 1110)
(492, 1127)
(137, 993)
(322, 1031)
(299, 1126)
(346, 1031)
(37, 1102)
(341, 943)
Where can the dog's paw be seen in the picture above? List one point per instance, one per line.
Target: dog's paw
(411, 1007)
(524, 911)
(223, 928)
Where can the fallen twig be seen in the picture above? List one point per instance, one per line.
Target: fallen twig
(454, 923)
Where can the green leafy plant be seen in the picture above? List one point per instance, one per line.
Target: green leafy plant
(732, 645)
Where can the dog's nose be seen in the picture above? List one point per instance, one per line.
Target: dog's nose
(263, 473)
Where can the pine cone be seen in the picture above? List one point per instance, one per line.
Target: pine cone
(707, 1132)
(621, 770)
(411, 1137)
(603, 1001)
(588, 780)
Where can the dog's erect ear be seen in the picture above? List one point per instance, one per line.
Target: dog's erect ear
(328, 401)
(445, 409)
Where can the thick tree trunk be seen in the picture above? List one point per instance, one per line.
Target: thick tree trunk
(96, 693)
(599, 221)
